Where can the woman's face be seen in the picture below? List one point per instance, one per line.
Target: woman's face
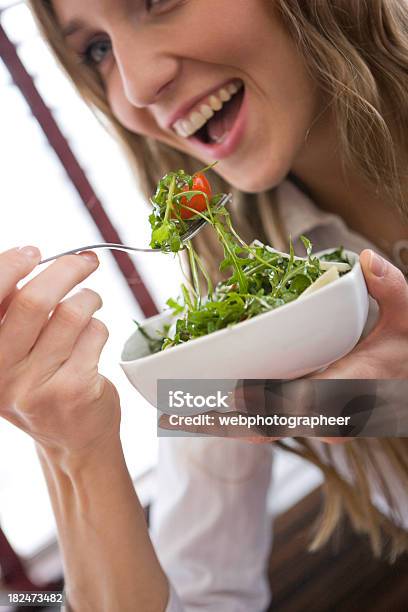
(169, 67)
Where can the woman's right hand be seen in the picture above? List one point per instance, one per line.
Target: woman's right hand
(50, 386)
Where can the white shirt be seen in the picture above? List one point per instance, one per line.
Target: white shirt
(210, 524)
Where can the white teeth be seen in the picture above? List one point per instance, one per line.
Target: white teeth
(178, 128)
(197, 120)
(199, 117)
(184, 128)
(187, 127)
(215, 103)
(207, 111)
(224, 95)
(220, 139)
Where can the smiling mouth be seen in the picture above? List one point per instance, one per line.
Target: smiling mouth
(212, 119)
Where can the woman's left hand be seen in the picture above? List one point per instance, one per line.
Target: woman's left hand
(383, 353)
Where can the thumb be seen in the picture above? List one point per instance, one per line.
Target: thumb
(387, 285)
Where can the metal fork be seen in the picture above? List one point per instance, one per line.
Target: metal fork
(194, 228)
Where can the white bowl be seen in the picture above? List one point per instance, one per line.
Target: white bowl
(294, 340)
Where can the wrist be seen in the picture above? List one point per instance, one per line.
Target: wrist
(106, 450)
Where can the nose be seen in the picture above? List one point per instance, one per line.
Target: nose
(146, 68)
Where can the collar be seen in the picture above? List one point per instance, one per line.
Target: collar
(298, 213)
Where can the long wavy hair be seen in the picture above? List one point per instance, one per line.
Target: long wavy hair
(357, 51)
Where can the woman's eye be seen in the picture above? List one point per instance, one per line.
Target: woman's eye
(151, 5)
(97, 50)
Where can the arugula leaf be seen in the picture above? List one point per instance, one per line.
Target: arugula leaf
(259, 279)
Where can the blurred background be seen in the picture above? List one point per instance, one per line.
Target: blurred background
(65, 183)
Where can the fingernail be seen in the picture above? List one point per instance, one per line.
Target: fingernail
(377, 265)
(30, 251)
(89, 255)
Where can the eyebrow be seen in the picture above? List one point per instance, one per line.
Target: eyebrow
(72, 27)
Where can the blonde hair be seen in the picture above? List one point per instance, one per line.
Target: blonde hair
(357, 51)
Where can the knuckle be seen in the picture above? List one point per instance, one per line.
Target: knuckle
(71, 314)
(31, 301)
(76, 311)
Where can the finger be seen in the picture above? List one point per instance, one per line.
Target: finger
(249, 396)
(30, 309)
(15, 264)
(86, 353)
(57, 340)
(6, 302)
(387, 285)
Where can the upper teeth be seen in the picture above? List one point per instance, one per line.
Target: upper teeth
(204, 111)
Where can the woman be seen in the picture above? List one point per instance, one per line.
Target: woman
(318, 90)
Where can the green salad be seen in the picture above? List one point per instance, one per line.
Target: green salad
(259, 278)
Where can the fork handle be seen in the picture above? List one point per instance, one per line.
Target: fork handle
(102, 245)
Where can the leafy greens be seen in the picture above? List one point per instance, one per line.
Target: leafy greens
(260, 278)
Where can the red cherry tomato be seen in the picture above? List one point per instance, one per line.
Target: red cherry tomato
(198, 202)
